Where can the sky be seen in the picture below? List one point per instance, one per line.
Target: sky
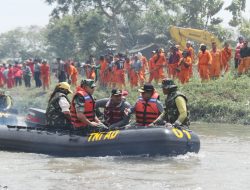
(226, 15)
(22, 13)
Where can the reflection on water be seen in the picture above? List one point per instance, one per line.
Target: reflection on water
(223, 163)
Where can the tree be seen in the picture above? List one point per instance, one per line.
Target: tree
(200, 13)
(111, 9)
(156, 19)
(245, 28)
(236, 7)
(10, 44)
(124, 24)
(23, 43)
(60, 36)
(90, 33)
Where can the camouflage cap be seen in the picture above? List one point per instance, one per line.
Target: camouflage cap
(88, 82)
(116, 92)
(168, 83)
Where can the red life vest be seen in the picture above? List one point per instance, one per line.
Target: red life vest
(147, 111)
(113, 114)
(89, 108)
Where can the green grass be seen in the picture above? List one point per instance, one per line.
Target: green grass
(226, 100)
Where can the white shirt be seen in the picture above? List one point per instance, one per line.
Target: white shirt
(64, 104)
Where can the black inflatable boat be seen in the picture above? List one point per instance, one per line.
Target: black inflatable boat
(35, 138)
(147, 141)
(8, 118)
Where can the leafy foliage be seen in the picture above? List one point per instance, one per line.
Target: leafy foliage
(202, 14)
(123, 24)
(61, 37)
(23, 43)
(82, 27)
(90, 32)
(236, 7)
(245, 28)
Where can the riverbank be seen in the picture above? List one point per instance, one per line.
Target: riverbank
(226, 100)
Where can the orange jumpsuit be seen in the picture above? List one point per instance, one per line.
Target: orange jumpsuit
(103, 72)
(142, 75)
(244, 65)
(110, 74)
(69, 71)
(67, 68)
(45, 75)
(216, 64)
(192, 56)
(73, 74)
(127, 68)
(90, 71)
(204, 62)
(173, 63)
(10, 78)
(133, 78)
(129, 71)
(244, 60)
(159, 61)
(134, 73)
(152, 71)
(119, 79)
(184, 66)
(226, 55)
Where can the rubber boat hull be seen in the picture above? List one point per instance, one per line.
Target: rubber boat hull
(151, 141)
(7, 118)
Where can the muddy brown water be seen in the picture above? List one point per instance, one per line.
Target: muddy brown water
(223, 163)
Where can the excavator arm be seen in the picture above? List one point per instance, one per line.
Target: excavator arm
(181, 35)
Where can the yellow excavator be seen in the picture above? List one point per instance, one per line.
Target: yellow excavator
(182, 35)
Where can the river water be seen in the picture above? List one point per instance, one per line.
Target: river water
(223, 163)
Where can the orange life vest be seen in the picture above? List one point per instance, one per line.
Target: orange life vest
(89, 108)
(147, 111)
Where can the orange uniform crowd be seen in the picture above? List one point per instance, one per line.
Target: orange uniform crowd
(114, 70)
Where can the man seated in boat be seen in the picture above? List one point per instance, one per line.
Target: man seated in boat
(148, 106)
(176, 111)
(58, 109)
(82, 109)
(5, 101)
(114, 107)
